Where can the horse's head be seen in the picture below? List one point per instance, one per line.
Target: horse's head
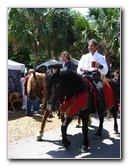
(35, 87)
(55, 93)
(62, 83)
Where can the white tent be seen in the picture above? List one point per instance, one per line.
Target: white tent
(49, 64)
(14, 75)
(12, 65)
(75, 61)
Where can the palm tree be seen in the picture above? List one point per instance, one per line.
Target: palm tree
(24, 26)
(40, 30)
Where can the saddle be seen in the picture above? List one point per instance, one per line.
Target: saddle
(75, 104)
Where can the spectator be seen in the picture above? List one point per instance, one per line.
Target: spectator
(68, 64)
(29, 103)
(22, 90)
(116, 79)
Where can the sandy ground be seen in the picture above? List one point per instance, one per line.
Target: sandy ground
(21, 126)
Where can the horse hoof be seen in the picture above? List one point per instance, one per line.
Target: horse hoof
(39, 137)
(68, 148)
(97, 137)
(82, 149)
(116, 132)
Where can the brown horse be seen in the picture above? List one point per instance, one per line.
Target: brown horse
(74, 95)
(37, 88)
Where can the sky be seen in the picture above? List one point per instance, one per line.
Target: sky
(81, 10)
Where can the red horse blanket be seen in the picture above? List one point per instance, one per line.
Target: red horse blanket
(77, 103)
(109, 96)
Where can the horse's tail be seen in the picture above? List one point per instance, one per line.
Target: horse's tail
(30, 80)
(34, 75)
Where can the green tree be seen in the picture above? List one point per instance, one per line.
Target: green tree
(25, 27)
(107, 24)
(44, 31)
(38, 34)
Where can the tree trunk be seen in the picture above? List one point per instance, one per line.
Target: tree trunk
(36, 50)
(35, 61)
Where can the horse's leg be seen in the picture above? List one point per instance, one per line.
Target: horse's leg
(89, 120)
(98, 134)
(115, 124)
(44, 105)
(62, 117)
(84, 147)
(46, 114)
(64, 126)
(115, 120)
(78, 122)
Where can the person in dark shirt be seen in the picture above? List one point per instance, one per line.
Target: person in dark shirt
(68, 64)
(28, 102)
(116, 79)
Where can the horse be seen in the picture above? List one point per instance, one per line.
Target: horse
(72, 94)
(37, 88)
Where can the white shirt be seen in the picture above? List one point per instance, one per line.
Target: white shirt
(86, 63)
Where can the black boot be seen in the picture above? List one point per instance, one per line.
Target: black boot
(100, 91)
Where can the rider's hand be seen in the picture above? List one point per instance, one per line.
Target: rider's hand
(84, 70)
(98, 65)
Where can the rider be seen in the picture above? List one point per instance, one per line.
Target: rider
(92, 65)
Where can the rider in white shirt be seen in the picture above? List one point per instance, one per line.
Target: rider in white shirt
(89, 64)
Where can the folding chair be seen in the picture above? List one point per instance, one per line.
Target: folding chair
(13, 98)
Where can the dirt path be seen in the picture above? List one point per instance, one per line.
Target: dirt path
(21, 126)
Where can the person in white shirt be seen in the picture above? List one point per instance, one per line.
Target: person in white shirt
(92, 65)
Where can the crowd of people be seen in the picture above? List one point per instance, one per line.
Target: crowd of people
(91, 65)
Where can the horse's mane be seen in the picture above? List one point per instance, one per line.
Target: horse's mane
(72, 81)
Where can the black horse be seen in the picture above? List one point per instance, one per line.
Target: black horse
(65, 90)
